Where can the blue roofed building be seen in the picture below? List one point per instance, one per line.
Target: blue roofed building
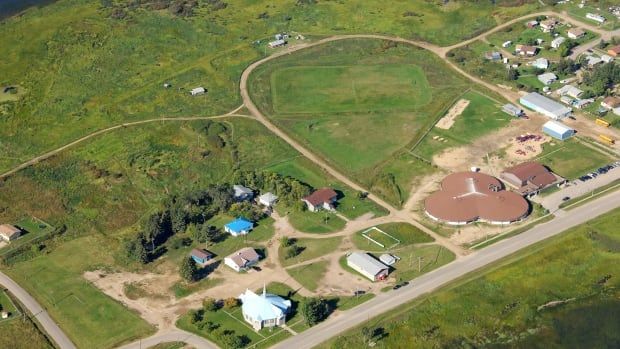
(265, 310)
(239, 226)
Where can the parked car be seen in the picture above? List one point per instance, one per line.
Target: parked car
(359, 292)
(396, 287)
(566, 198)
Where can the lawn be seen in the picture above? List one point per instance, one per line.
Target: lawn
(312, 248)
(90, 318)
(560, 158)
(309, 275)
(405, 232)
(482, 116)
(403, 84)
(316, 222)
(358, 88)
(580, 14)
(22, 333)
(504, 306)
(6, 304)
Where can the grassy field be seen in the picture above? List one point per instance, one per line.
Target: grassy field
(406, 233)
(611, 22)
(299, 93)
(482, 116)
(560, 157)
(312, 248)
(20, 333)
(502, 308)
(309, 275)
(359, 88)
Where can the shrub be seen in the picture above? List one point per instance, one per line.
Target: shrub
(209, 304)
(231, 302)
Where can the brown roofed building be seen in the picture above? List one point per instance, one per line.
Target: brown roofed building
(611, 102)
(9, 232)
(529, 177)
(576, 33)
(322, 199)
(242, 259)
(467, 197)
(614, 51)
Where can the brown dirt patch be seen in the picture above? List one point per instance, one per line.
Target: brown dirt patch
(457, 109)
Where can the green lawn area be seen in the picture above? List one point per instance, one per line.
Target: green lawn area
(32, 228)
(482, 116)
(169, 345)
(316, 222)
(309, 275)
(312, 95)
(560, 158)
(6, 304)
(90, 318)
(501, 306)
(580, 14)
(20, 333)
(312, 248)
(359, 88)
(405, 232)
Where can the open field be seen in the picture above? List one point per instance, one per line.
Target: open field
(512, 303)
(482, 116)
(354, 88)
(309, 275)
(560, 157)
(334, 125)
(312, 248)
(22, 333)
(599, 8)
(404, 232)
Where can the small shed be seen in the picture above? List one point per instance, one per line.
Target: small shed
(513, 110)
(9, 232)
(558, 130)
(241, 193)
(387, 259)
(366, 265)
(201, 256)
(198, 91)
(547, 78)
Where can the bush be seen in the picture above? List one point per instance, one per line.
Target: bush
(293, 251)
(231, 302)
(314, 310)
(188, 269)
(209, 305)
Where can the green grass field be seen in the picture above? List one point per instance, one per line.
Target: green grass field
(19, 333)
(359, 88)
(309, 275)
(406, 233)
(334, 97)
(501, 307)
(482, 116)
(560, 157)
(312, 248)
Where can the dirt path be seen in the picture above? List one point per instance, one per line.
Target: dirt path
(448, 120)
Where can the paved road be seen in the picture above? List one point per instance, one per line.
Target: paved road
(174, 335)
(53, 331)
(442, 276)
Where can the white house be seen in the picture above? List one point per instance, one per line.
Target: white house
(593, 61)
(322, 199)
(198, 91)
(265, 310)
(277, 43)
(607, 58)
(547, 78)
(557, 42)
(267, 199)
(241, 193)
(595, 17)
(242, 259)
(569, 90)
(9, 233)
(541, 63)
(506, 43)
(366, 265)
(576, 33)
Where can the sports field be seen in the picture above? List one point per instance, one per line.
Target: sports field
(358, 88)
(359, 103)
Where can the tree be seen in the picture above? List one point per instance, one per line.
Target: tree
(135, 250)
(231, 302)
(195, 316)
(293, 251)
(314, 310)
(188, 269)
(286, 242)
(209, 305)
(513, 74)
(367, 334)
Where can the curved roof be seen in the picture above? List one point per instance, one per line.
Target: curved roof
(263, 307)
(469, 196)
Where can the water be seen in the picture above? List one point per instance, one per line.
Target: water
(9, 8)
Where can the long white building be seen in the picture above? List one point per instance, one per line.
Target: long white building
(545, 106)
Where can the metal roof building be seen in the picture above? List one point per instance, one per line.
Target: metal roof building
(558, 130)
(366, 265)
(545, 106)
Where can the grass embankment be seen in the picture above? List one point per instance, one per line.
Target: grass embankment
(510, 303)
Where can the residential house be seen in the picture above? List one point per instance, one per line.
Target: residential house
(277, 43)
(614, 51)
(529, 177)
(267, 199)
(557, 42)
(607, 58)
(569, 90)
(541, 63)
(239, 226)
(547, 78)
(566, 100)
(241, 193)
(493, 56)
(526, 50)
(595, 17)
(242, 259)
(9, 232)
(322, 199)
(198, 91)
(506, 43)
(200, 256)
(592, 61)
(576, 33)
(531, 24)
(264, 310)
(366, 265)
(610, 102)
(548, 24)
(582, 103)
